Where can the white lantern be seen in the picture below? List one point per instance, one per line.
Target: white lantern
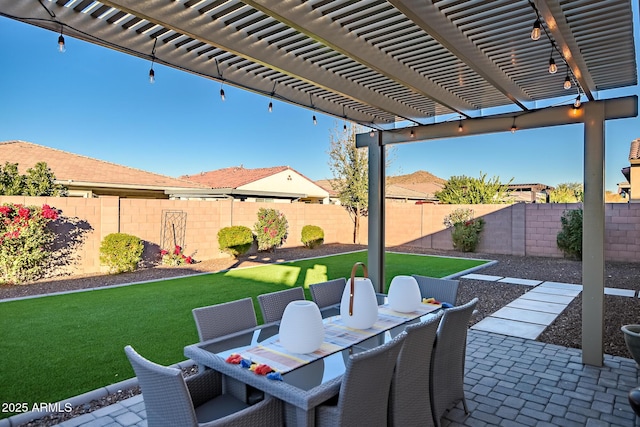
(404, 294)
(359, 305)
(301, 327)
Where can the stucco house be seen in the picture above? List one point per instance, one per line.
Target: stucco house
(278, 184)
(629, 189)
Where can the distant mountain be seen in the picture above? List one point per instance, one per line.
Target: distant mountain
(418, 177)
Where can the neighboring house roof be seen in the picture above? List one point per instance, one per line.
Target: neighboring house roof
(326, 184)
(426, 188)
(634, 151)
(278, 181)
(402, 192)
(416, 191)
(234, 177)
(74, 168)
(529, 187)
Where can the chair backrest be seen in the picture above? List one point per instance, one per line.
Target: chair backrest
(364, 392)
(409, 399)
(166, 398)
(273, 304)
(443, 290)
(221, 319)
(447, 360)
(328, 293)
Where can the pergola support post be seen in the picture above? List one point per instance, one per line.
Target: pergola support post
(375, 257)
(593, 235)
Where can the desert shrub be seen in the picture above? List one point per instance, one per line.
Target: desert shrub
(121, 252)
(271, 229)
(175, 257)
(466, 229)
(235, 240)
(25, 242)
(569, 239)
(466, 235)
(312, 236)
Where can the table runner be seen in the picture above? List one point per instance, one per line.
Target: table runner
(337, 337)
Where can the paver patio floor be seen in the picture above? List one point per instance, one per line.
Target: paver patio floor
(510, 382)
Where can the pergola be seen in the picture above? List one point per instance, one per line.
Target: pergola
(410, 70)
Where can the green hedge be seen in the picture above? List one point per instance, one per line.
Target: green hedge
(312, 236)
(121, 252)
(235, 240)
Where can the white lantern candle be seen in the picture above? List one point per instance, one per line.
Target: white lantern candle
(301, 327)
(359, 305)
(404, 294)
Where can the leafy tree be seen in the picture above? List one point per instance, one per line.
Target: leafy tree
(567, 192)
(464, 190)
(11, 182)
(38, 181)
(350, 170)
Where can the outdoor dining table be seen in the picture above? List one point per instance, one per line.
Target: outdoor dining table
(313, 381)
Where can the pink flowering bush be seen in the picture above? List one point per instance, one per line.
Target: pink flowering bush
(271, 229)
(175, 257)
(25, 242)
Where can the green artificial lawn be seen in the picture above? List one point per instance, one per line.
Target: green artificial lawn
(60, 346)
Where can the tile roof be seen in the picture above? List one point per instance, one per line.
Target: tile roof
(326, 184)
(234, 177)
(634, 152)
(68, 166)
(424, 188)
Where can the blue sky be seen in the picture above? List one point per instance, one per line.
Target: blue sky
(97, 102)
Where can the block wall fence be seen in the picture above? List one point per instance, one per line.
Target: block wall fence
(519, 229)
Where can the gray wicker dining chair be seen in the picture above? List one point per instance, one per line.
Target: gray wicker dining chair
(328, 293)
(217, 320)
(447, 360)
(171, 401)
(409, 399)
(364, 390)
(272, 305)
(443, 290)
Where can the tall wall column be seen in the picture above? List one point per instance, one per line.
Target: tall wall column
(376, 244)
(593, 236)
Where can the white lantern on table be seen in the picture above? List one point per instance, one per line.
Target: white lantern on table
(301, 327)
(359, 305)
(404, 294)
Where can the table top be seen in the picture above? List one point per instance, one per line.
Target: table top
(305, 386)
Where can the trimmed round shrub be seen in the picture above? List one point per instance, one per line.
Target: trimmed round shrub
(312, 236)
(121, 252)
(235, 240)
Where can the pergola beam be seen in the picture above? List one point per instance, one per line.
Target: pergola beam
(617, 108)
